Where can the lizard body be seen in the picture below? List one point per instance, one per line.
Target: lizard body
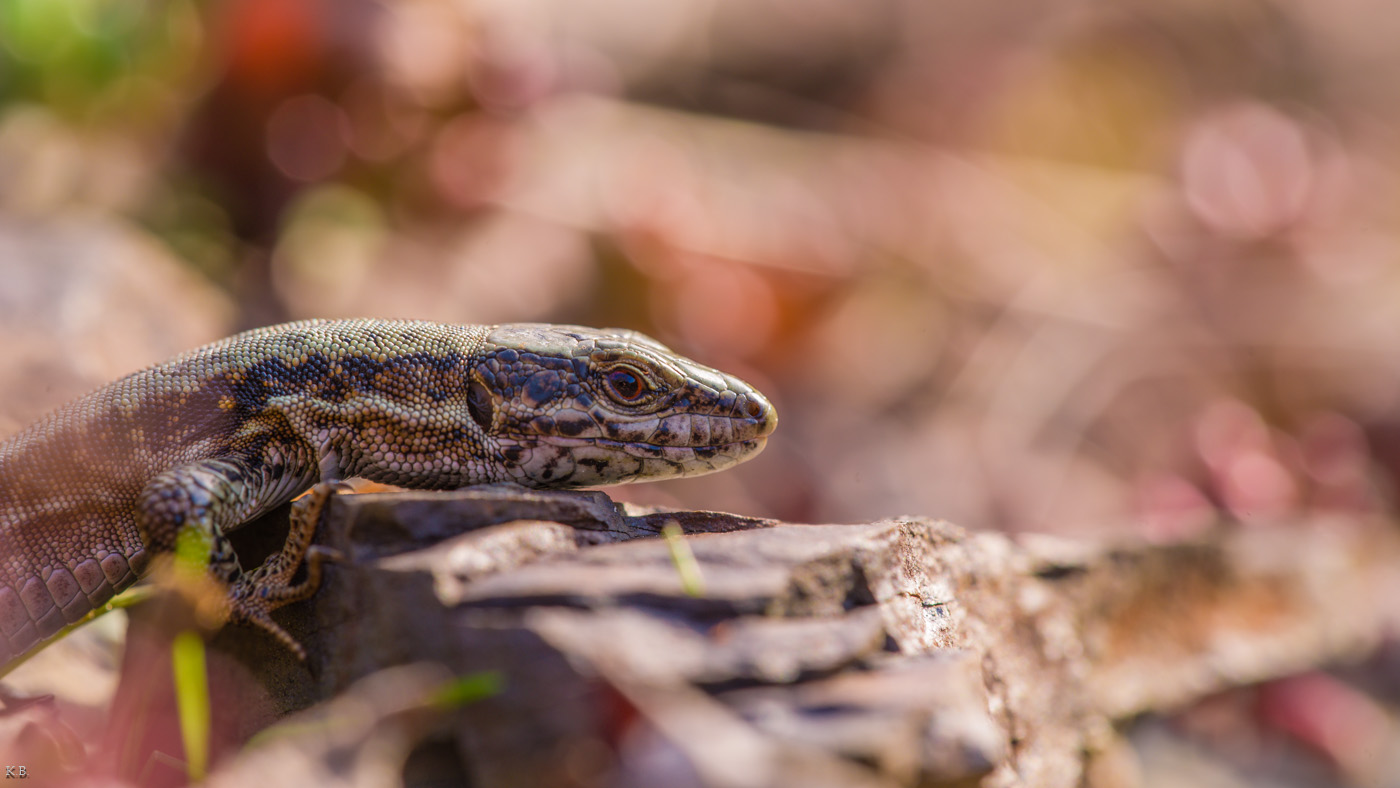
(196, 446)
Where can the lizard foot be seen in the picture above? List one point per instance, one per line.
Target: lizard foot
(254, 595)
(253, 602)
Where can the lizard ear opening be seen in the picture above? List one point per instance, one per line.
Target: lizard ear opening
(480, 405)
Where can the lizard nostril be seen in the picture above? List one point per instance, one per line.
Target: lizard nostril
(754, 408)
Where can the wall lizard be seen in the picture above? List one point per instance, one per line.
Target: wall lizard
(196, 446)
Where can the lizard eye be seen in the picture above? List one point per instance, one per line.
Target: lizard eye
(479, 405)
(626, 384)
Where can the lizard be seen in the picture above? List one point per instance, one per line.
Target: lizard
(185, 451)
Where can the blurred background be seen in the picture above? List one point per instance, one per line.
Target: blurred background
(1119, 268)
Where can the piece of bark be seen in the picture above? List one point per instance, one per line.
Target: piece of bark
(904, 652)
(922, 720)
(364, 737)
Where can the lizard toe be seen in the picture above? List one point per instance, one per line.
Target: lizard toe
(255, 613)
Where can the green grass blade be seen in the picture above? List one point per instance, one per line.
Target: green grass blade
(192, 700)
(692, 582)
(468, 689)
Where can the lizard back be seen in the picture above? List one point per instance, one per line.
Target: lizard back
(70, 483)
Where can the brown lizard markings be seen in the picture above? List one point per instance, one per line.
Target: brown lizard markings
(200, 444)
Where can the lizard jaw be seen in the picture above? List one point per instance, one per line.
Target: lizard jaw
(586, 462)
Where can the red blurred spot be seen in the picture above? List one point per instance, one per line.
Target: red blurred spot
(273, 46)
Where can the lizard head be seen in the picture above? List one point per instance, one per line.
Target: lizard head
(567, 406)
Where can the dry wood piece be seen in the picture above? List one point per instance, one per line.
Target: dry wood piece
(905, 652)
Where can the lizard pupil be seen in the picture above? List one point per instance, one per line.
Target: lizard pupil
(626, 385)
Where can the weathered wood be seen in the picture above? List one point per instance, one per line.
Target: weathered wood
(905, 652)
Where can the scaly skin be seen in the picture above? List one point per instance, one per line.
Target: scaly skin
(198, 445)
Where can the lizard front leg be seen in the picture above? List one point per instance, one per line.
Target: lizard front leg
(189, 509)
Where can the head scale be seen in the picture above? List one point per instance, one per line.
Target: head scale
(567, 406)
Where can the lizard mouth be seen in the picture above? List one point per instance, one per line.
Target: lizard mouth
(697, 432)
(556, 461)
(747, 446)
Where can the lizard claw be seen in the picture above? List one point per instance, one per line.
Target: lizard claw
(254, 612)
